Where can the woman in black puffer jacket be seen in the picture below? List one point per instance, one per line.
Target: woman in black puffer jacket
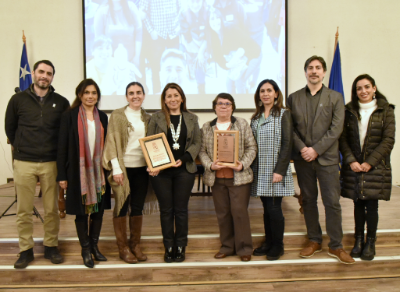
(366, 143)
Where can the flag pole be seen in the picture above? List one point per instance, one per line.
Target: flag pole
(336, 40)
(24, 37)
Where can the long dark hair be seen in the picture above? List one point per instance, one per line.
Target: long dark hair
(80, 89)
(164, 107)
(354, 97)
(278, 104)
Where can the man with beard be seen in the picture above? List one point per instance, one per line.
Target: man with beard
(318, 117)
(32, 124)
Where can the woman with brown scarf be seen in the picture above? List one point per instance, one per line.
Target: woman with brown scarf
(80, 148)
(128, 178)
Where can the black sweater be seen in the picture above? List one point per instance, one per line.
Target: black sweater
(32, 128)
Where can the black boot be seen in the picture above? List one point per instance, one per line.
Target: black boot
(358, 244)
(277, 230)
(94, 234)
(265, 247)
(25, 257)
(180, 254)
(82, 231)
(368, 252)
(169, 255)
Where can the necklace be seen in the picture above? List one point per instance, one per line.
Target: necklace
(175, 135)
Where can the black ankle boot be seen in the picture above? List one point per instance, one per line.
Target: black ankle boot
(267, 244)
(263, 249)
(368, 252)
(82, 231)
(180, 254)
(169, 255)
(358, 245)
(94, 234)
(275, 252)
(277, 231)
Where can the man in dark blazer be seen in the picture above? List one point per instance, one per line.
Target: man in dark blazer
(318, 116)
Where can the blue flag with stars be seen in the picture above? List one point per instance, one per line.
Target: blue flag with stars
(335, 80)
(25, 79)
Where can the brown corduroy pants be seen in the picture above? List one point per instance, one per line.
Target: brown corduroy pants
(231, 203)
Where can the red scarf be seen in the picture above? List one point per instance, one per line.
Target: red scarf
(91, 171)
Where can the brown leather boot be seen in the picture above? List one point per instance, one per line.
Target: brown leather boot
(122, 241)
(135, 225)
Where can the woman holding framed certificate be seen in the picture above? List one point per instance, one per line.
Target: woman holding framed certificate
(79, 171)
(229, 178)
(173, 185)
(129, 179)
(273, 129)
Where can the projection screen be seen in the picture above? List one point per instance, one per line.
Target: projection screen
(206, 46)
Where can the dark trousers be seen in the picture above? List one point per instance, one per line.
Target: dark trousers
(94, 216)
(231, 203)
(274, 222)
(366, 210)
(173, 187)
(328, 177)
(138, 182)
(273, 207)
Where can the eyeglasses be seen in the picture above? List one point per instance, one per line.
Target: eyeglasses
(227, 104)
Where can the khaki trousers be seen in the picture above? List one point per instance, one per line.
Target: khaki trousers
(231, 204)
(25, 176)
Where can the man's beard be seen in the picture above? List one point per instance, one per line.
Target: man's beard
(42, 84)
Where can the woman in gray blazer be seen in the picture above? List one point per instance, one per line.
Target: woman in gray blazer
(173, 186)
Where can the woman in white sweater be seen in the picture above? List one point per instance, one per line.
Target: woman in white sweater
(128, 177)
(366, 143)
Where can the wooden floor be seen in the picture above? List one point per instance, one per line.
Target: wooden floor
(200, 271)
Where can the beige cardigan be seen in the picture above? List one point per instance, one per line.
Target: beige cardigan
(247, 151)
(115, 146)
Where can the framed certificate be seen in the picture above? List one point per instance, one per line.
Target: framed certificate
(226, 147)
(157, 152)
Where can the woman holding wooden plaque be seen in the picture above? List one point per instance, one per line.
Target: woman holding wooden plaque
(80, 147)
(226, 158)
(173, 185)
(129, 179)
(273, 129)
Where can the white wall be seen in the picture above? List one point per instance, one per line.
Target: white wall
(369, 43)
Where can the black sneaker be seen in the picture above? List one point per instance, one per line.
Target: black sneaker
(25, 257)
(51, 253)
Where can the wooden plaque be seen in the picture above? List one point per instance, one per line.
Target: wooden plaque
(157, 152)
(223, 143)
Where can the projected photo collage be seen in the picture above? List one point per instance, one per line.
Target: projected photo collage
(206, 46)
